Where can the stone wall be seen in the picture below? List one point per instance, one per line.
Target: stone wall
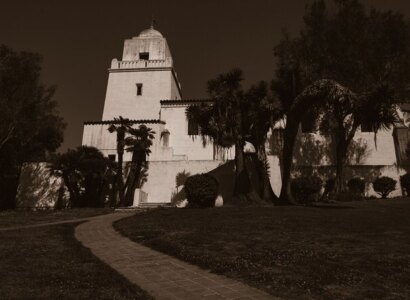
(39, 190)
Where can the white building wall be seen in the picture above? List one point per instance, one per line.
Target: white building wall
(179, 140)
(161, 185)
(122, 99)
(97, 135)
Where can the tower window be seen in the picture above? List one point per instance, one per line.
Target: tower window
(144, 55)
(139, 89)
(193, 128)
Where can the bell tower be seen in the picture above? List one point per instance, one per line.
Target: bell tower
(143, 77)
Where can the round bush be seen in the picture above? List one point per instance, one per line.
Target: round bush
(405, 183)
(305, 188)
(356, 186)
(201, 190)
(384, 186)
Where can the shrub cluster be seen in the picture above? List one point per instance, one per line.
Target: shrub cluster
(305, 188)
(201, 190)
(384, 186)
(356, 186)
(405, 183)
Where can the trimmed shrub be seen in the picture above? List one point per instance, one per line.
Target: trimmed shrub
(305, 188)
(384, 186)
(356, 186)
(201, 190)
(405, 183)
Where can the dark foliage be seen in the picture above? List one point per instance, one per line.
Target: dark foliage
(356, 186)
(201, 190)
(86, 173)
(30, 127)
(305, 188)
(405, 183)
(384, 186)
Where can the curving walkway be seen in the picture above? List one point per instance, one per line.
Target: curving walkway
(163, 276)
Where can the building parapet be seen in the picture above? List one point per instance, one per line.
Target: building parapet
(130, 121)
(140, 64)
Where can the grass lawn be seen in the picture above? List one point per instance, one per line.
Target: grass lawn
(9, 218)
(359, 251)
(49, 263)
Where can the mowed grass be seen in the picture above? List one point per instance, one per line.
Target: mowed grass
(355, 251)
(11, 218)
(49, 263)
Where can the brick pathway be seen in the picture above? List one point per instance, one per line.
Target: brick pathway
(162, 276)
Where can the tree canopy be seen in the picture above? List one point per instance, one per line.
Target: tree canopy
(364, 51)
(30, 125)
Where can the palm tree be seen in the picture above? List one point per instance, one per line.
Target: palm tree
(233, 118)
(138, 143)
(93, 166)
(261, 112)
(82, 170)
(222, 122)
(322, 94)
(120, 126)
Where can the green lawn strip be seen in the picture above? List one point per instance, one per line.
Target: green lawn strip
(355, 251)
(49, 263)
(12, 218)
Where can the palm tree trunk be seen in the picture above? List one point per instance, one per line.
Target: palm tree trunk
(132, 179)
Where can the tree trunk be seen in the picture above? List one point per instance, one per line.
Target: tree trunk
(340, 171)
(266, 191)
(132, 179)
(73, 195)
(242, 183)
(289, 137)
(120, 179)
(343, 140)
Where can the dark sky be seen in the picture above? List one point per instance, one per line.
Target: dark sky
(78, 39)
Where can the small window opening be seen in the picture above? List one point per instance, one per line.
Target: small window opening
(193, 127)
(111, 157)
(165, 138)
(139, 89)
(144, 55)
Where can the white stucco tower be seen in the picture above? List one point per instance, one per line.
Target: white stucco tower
(145, 75)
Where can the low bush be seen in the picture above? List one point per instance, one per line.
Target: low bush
(305, 188)
(201, 190)
(384, 186)
(405, 183)
(356, 186)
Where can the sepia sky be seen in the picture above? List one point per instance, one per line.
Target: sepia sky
(78, 39)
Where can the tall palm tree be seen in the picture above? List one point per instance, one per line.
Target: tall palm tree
(236, 117)
(120, 127)
(261, 112)
(138, 143)
(222, 122)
